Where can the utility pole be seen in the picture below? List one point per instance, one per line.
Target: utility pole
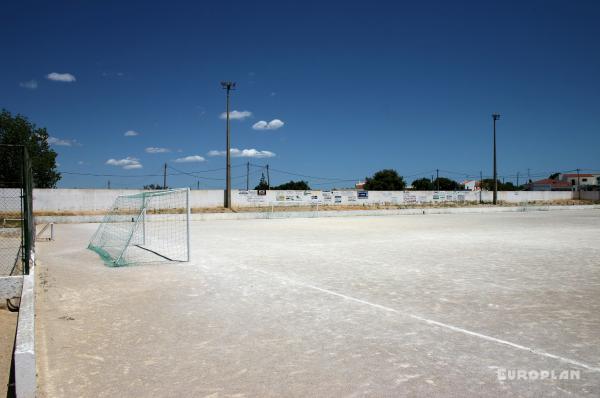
(247, 176)
(165, 177)
(437, 178)
(480, 186)
(495, 116)
(268, 178)
(228, 86)
(578, 187)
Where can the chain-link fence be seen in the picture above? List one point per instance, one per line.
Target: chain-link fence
(16, 215)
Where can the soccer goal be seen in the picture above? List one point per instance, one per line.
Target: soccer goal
(145, 227)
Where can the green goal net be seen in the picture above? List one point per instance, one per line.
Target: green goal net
(145, 227)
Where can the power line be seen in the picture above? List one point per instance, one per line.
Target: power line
(195, 175)
(304, 175)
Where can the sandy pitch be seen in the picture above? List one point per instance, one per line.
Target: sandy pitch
(403, 305)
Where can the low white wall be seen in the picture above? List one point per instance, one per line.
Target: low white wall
(99, 200)
(251, 198)
(588, 195)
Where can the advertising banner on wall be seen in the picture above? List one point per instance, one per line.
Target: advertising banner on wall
(251, 196)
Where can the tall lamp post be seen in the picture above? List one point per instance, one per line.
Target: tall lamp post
(495, 116)
(228, 86)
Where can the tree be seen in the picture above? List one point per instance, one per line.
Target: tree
(293, 186)
(446, 184)
(262, 184)
(508, 186)
(154, 187)
(488, 185)
(17, 130)
(422, 184)
(554, 176)
(385, 180)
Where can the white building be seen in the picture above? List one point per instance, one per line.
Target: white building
(581, 179)
(471, 185)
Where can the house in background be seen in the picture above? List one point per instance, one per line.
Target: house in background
(548, 184)
(360, 185)
(581, 179)
(471, 185)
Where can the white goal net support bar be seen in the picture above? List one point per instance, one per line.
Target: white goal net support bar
(145, 227)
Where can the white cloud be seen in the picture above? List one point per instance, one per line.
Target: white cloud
(236, 115)
(30, 84)
(62, 142)
(128, 163)
(244, 153)
(152, 149)
(190, 159)
(272, 125)
(131, 133)
(251, 153)
(133, 166)
(61, 77)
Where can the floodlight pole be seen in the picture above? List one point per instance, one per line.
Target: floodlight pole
(188, 214)
(495, 116)
(578, 186)
(228, 86)
(247, 176)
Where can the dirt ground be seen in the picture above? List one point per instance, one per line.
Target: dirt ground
(8, 327)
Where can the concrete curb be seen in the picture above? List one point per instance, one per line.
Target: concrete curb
(24, 357)
(331, 213)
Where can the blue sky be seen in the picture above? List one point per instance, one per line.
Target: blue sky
(357, 87)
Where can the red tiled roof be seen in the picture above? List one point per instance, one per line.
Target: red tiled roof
(554, 183)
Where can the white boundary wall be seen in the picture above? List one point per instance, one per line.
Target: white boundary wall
(352, 198)
(99, 200)
(588, 195)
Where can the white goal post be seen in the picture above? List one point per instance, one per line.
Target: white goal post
(145, 227)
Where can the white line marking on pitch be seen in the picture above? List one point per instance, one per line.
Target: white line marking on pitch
(432, 322)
